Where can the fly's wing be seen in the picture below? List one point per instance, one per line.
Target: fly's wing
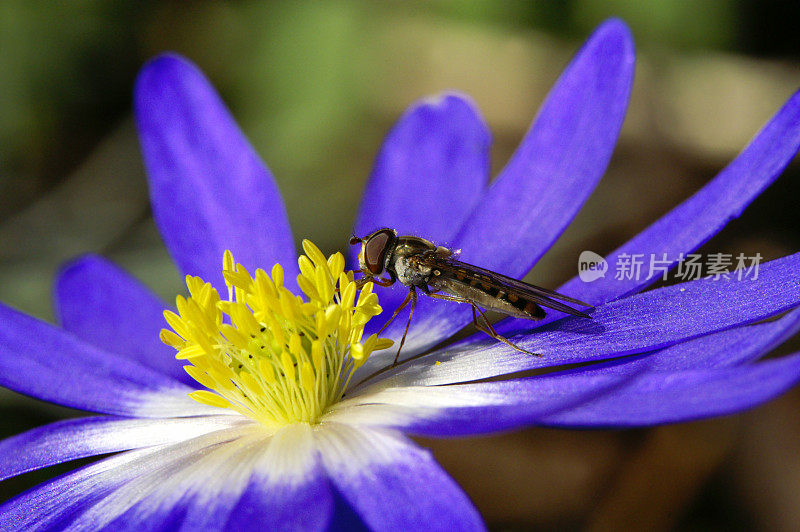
(536, 294)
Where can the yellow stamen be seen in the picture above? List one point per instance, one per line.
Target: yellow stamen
(268, 353)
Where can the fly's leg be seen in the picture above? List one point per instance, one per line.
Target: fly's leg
(412, 297)
(412, 294)
(376, 280)
(397, 311)
(491, 332)
(483, 324)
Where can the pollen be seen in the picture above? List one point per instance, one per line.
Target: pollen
(268, 353)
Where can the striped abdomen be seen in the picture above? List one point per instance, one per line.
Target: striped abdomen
(486, 292)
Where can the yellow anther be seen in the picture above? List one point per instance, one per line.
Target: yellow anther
(306, 268)
(307, 378)
(232, 335)
(317, 352)
(174, 321)
(336, 265)
(332, 314)
(268, 353)
(171, 339)
(295, 345)
(314, 254)
(357, 351)
(288, 366)
(200, 376)
(191, 351)
(209, 398)
(250, 383)
(383, 343)
(266, 371)
(277, 275)
(349, 295)
(308, 288)
(324, 284)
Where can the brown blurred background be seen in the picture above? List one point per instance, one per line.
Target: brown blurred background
(315, 86)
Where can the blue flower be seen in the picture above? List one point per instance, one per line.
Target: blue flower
(671, 354)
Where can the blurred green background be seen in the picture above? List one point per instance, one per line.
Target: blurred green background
(316, 85)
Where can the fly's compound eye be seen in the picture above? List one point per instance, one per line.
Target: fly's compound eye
(374, 249)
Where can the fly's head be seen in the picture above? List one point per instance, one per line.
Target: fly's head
(376, 248)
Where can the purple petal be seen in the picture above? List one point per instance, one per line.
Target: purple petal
(56, 503)
(547, 180)
(496, 406)
(662, 317)
(104, 306)
(391, 483)
(670, 397)
(700, 217)
(210, 191)
(728, 348)
(435, 160)
(630, 396)
(278, 500)
(46, 362)
(307, 505)
(256, 483)
(78, 438)
(560, 160)
(463, 409)
(637, 324)
(137, 486)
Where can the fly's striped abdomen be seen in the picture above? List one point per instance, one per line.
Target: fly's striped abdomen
(495, 291)
(487, 293)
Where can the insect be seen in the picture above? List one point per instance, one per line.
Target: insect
(418, 263)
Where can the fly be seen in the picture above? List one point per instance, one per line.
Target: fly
(419, 263)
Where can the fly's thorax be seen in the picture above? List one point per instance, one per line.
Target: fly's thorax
(403, 261)
(409, 271)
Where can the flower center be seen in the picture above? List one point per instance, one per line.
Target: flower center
(268, 353)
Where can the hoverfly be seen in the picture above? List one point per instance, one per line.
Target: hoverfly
(418, 263)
